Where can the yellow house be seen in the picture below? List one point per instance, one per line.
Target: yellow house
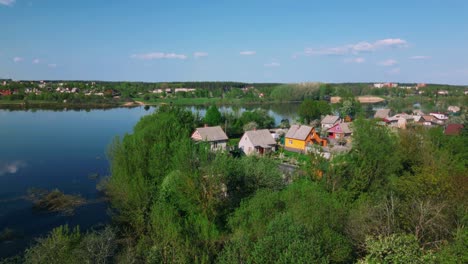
(299, 137)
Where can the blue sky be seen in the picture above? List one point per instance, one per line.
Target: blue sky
(251, 41)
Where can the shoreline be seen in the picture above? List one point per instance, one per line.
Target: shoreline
(21, 105)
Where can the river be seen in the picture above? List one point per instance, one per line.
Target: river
(61, 149)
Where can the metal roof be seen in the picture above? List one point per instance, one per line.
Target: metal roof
(299, 132)
(262, 138)
(212, 133)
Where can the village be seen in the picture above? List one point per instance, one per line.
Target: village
(330, 136)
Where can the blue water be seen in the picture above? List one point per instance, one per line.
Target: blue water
(47, 149)
(60, 149)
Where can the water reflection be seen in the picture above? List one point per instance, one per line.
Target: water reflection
(11, 167)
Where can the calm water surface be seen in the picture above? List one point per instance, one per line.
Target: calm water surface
(60, 149)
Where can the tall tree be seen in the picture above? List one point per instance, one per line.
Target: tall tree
(213, 116)
(310, 110)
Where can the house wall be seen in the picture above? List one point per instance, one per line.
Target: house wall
(327, 126)
(246, 145)
(294, 144)
(218, 145)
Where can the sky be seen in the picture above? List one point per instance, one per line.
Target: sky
(247, 41)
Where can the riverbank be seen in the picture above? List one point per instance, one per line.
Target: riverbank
(137, 102)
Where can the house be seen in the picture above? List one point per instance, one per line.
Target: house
(213, 135)
(442, 92)
(426, 120)
(5, 92)
(257, 142)
(453, 129)
(299, 137)
(418, 112)
(439, 116)
(382, 113)
(453, 109)
(329, 121)
(399, 120)
(340, 130)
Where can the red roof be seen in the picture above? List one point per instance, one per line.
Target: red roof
(453, 129)
(5, 92)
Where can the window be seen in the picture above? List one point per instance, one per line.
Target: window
(290, 141)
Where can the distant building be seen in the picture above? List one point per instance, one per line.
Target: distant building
(442, 92)
(453, 109)
(385, 85)
(382, 113)
(186, 90)
(440, 116)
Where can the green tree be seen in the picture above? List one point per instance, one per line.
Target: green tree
(310, 110)
(301, 224)
(213, 116)
(396, 249)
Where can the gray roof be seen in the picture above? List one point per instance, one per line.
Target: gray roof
(330, 119)
(382, 113)
(261, 138)
(298, 132)
(346, 127)
(212, 133)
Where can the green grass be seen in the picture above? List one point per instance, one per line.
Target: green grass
(298, 157)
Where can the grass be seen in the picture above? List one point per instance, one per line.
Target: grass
(55, 201)
(293, 157)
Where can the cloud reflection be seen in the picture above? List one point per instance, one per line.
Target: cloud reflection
(11, 167)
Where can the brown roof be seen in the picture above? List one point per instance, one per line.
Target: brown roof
(453, 129)
(299, 132)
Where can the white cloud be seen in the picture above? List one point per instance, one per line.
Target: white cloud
(248, 52)
(52, 65)
(389, 62)
(326, 51)
(36, 61)
(17, 59)
(391, 43)
(355, 60)
(357, 48)
(420, 57)
(7, 2)
(200, 54)
(158, 55)
(394, 71)
(272, 64)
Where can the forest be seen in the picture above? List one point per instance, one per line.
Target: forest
(396, 197)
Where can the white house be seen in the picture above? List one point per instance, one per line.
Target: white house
(213, 135)
(257, 142)
(439, 116)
